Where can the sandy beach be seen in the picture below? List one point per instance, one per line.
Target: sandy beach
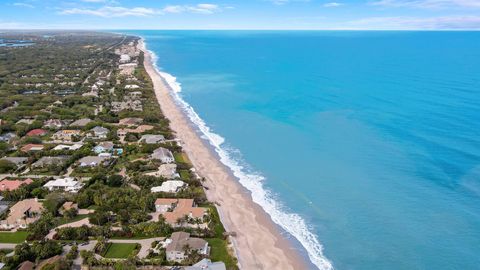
(258, 243)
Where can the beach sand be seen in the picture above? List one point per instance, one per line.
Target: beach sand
(258, 241)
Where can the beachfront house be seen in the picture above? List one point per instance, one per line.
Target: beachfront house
(163, 154)
(168, 171)
(181, 212)
(169, 186)
(177, 243)
(152, 139)
(206, 264)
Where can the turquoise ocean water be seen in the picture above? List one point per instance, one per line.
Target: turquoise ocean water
(363, 146)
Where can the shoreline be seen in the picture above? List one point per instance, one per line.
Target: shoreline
(260, 245)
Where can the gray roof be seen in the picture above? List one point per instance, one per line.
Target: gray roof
(151, 139)
(16, 160)
(206, 264)
(99, 129)
(45, 161)
(161, 153)
(181, 239)
(81, 122)
(92, 160)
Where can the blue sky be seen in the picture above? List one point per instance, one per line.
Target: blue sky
(244, 14)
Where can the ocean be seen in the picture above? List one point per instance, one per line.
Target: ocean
(363, 146)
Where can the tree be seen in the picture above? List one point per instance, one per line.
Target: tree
(7, 166)
(53, 201)
(115, 180)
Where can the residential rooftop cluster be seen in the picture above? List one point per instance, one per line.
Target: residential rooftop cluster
(88, 162)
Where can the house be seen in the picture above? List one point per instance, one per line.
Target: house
(175, 249)
(67, 206)
(7, 137)
(163, 154)
(127, 69)
(26, 265)
(68, 184)
(37, 132)
(140, 129)
(169, 186)
(53, 123)
(25, 121)
(66, 135)
(93, 161)
(18, 161)
(13, 184)
(131, 86)
(206, 264)
(75, 146)
(173, 210)
(103, 147)
(131, 121)
(81, 122)
(48, 161)
(124, 58)
(22, 214)
(31, 147)
(152, 139)
(168, 171)
(100, 132)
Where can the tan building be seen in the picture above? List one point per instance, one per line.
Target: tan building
(22, 213)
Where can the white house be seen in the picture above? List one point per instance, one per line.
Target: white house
(68, 184)
(163, 154)
(170, 186)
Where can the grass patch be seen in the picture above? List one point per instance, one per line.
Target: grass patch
(185, 174)
(219, 252)
(13, 237)
(181, 158)
(121, 250)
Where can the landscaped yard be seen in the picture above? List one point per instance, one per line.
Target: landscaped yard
(13, 237)
(181, 158)
(219, 252)
(120, 250)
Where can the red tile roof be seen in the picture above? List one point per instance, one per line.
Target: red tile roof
(37, 132)
(13, 184)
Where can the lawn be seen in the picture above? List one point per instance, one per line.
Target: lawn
(13, 237)
(185, 174)
(120, 250)
(181, 158)
(219, 252)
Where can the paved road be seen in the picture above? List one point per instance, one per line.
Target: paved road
(75, 224)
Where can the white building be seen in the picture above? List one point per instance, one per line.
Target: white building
(170, 186)
(124, 58)
(163, 154)
(68, 184)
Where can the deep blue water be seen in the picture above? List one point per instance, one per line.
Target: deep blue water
(372, 138)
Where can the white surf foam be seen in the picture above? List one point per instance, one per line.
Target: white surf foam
(290, 222)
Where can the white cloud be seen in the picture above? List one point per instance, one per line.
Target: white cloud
(108, 11)
(427, 3)
(200, 8)
(20, 4)
(282, 2)
(118, 11)
(333, 4)
(417, 23)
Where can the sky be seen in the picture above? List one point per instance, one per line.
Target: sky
(243, 14)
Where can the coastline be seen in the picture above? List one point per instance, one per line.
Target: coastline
(259, 245)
